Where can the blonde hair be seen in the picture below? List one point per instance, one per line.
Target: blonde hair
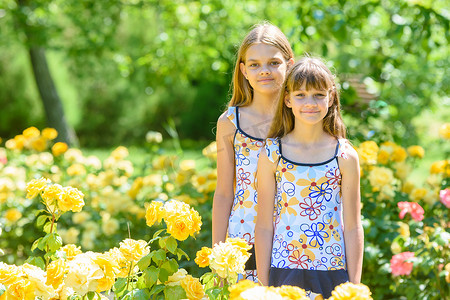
(266, 33)
(315, 75)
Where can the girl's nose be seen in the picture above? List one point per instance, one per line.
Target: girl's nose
(264, 70)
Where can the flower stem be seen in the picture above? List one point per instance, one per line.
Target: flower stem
(129, 274)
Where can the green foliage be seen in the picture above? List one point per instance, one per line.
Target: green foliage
(134, 64)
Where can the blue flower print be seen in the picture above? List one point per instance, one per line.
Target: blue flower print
(324, 192)
(243, 221)
(317, 233)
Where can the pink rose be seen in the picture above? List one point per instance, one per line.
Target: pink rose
(3, 160)
(399, 265)
(445, 197)
(413, 208)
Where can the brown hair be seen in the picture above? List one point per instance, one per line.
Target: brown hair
(314, 74)
(266, 33)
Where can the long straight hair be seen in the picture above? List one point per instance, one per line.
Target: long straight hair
(266, 33)
(315, 75)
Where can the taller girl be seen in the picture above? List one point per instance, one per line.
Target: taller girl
(262, 62)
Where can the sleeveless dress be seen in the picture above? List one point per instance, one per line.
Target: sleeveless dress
(308, 241)
(243, 213)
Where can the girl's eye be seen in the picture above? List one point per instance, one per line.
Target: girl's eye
(253, 65)
(320, 96)
(275, 63)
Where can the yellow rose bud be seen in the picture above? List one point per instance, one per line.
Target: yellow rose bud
(39, 144)
(49, 133)
(31, 132)
(399, 154)
(59, 148)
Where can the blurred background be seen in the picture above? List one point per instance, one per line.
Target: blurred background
(112, 70)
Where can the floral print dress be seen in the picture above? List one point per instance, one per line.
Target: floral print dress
(243, 212)
(308, 242)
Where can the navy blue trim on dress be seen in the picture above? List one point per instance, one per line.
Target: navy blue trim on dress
(242, 131)
(305, 164)
(319, 282)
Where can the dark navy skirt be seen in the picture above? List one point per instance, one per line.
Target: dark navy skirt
(319, 282)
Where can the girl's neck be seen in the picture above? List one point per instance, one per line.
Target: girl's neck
(308, 134)
(264, 104)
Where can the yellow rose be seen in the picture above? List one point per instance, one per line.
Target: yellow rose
(21, 289)
(9, 274)
(49, 133)
(153, 180)
(210, 151)
(444, 131)
(196, 222)
(71, 251)
(447, 269)
(76, 169)
(55, 273)
(121, 262)
(407, 187)
(403, 229)
(399, 154)
(51, 195)
(416, 151)
(367, 152)
(39, 144)
(83, 274)
(110, 226)
(59, 148)
(348, 291)
(202, 258)
(380, 177)
(69, 236)
(238, 288)
(134, 250)
(383, 156)
(80, 217)
(402, 170)
(438, 167)
(71, 199)
(12, 215)
(119, 153)
(110, 268)
(179, 226)
(292, 292)
(35, 186)
(187, 165)
(136, 187)
(193, 288)
(418, 194)
(31, 132)
(154, 213)
(176, 278)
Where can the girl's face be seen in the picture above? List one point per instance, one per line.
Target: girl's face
(264, 68)
(309, 106)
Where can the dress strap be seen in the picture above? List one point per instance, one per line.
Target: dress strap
(273, 149)
(232, 115)
(341, 148)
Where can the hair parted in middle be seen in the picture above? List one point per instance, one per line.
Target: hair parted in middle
(266, 33)
(314, 74)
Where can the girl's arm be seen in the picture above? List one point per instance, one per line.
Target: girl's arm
(224, 194)
(266, 187)
(353, 231)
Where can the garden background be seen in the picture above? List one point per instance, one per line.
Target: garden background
(118, 70)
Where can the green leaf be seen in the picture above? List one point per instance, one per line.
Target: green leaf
(36, 261)
(35, 244)
(171, 244)
(171, 266)
(157, 289)
(157, 233)
(162, 242)
(120, 284)
(91, 295)
(41, 220)
(54, 242)
(145, 261)
(163, 275)
(158, 256)
(48, 226)
(37, 212)
(180, 253)
(151, 276)
(175, 292)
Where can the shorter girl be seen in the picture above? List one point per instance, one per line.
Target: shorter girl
(311, 173)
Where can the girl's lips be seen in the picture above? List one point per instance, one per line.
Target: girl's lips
(265, 80)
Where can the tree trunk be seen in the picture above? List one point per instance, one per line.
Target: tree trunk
(52, 103)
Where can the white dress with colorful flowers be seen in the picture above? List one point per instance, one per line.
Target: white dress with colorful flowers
(243, 213)
(308, 242)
